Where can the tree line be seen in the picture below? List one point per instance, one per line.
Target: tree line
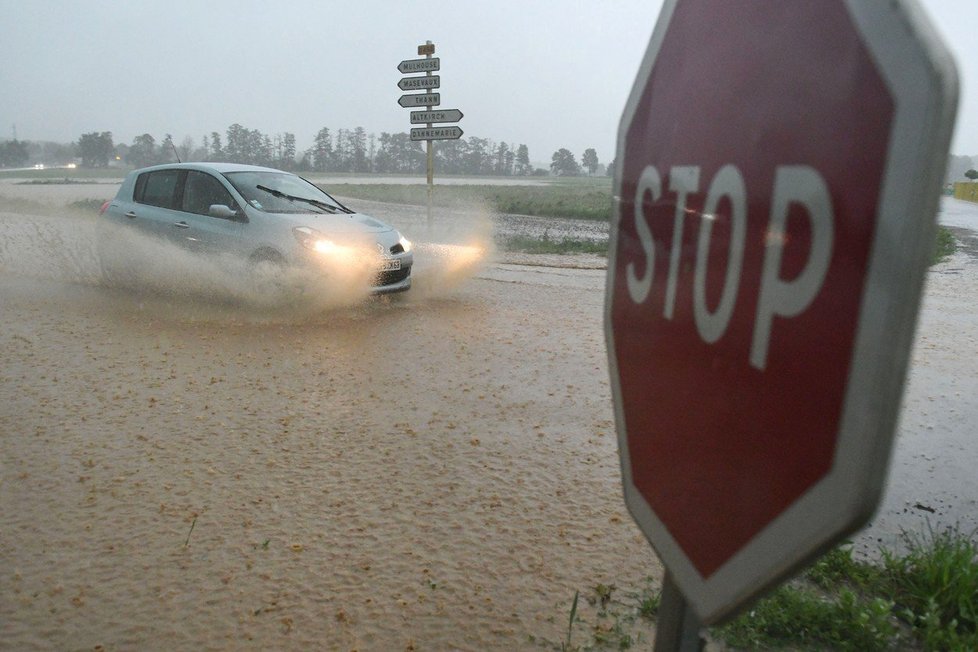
(341, 150)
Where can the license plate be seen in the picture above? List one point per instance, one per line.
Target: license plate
(391, 265)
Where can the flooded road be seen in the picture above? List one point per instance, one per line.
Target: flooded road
(932, 480)
(435, 470)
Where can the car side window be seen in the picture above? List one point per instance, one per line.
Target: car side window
(158, 188)
(201, 191)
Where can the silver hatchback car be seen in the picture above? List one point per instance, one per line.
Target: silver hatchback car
(261, 215)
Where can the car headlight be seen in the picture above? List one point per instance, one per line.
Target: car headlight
(405, 244)
(314, 240)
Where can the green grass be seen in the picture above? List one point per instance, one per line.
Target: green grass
(798, 616)
(925, 599)
(588, 199)
(935, 587)
(801, 619)
(837, 566)
(944, 247)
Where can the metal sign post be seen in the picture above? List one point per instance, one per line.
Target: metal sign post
(428, 51)
(678, 627)
(428, 99)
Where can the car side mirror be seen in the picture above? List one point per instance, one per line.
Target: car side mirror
(222, 211)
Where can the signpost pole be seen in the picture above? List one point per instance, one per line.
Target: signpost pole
(678, 628)
(431, 156)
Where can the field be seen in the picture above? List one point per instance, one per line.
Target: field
(582, 198)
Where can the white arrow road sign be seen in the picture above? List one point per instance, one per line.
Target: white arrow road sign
(436, 133)
(419, 83)
(423, 99)
(419, 65)
(443, 115)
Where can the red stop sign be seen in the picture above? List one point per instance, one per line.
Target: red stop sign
(777, 175)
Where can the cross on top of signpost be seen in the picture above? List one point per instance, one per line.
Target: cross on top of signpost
(758, 318)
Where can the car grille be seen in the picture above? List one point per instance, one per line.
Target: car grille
(389, 278)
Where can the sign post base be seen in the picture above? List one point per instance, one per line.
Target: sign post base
(677, 628)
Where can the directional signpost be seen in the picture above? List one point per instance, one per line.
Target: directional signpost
(427, 99)
(777, 183)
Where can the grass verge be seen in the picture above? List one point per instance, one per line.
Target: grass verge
(925, 599)
(944, 247)
(579, 198)
(56, 182)
(585, 199)
(547, 245)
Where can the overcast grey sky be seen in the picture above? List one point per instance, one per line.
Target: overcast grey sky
(546, 73)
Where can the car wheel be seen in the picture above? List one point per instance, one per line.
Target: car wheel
(267, 268)
(267, 257)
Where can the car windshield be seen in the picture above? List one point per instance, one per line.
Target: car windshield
(280, 192)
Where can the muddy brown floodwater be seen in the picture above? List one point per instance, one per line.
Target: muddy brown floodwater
(436, 470)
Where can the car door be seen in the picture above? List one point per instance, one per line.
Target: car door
(156, 197)
(197, 227)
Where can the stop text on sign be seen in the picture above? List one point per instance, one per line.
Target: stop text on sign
(793, 185)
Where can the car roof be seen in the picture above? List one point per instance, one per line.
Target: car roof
(210, 166)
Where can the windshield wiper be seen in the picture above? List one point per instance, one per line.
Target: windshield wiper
(315, 202)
